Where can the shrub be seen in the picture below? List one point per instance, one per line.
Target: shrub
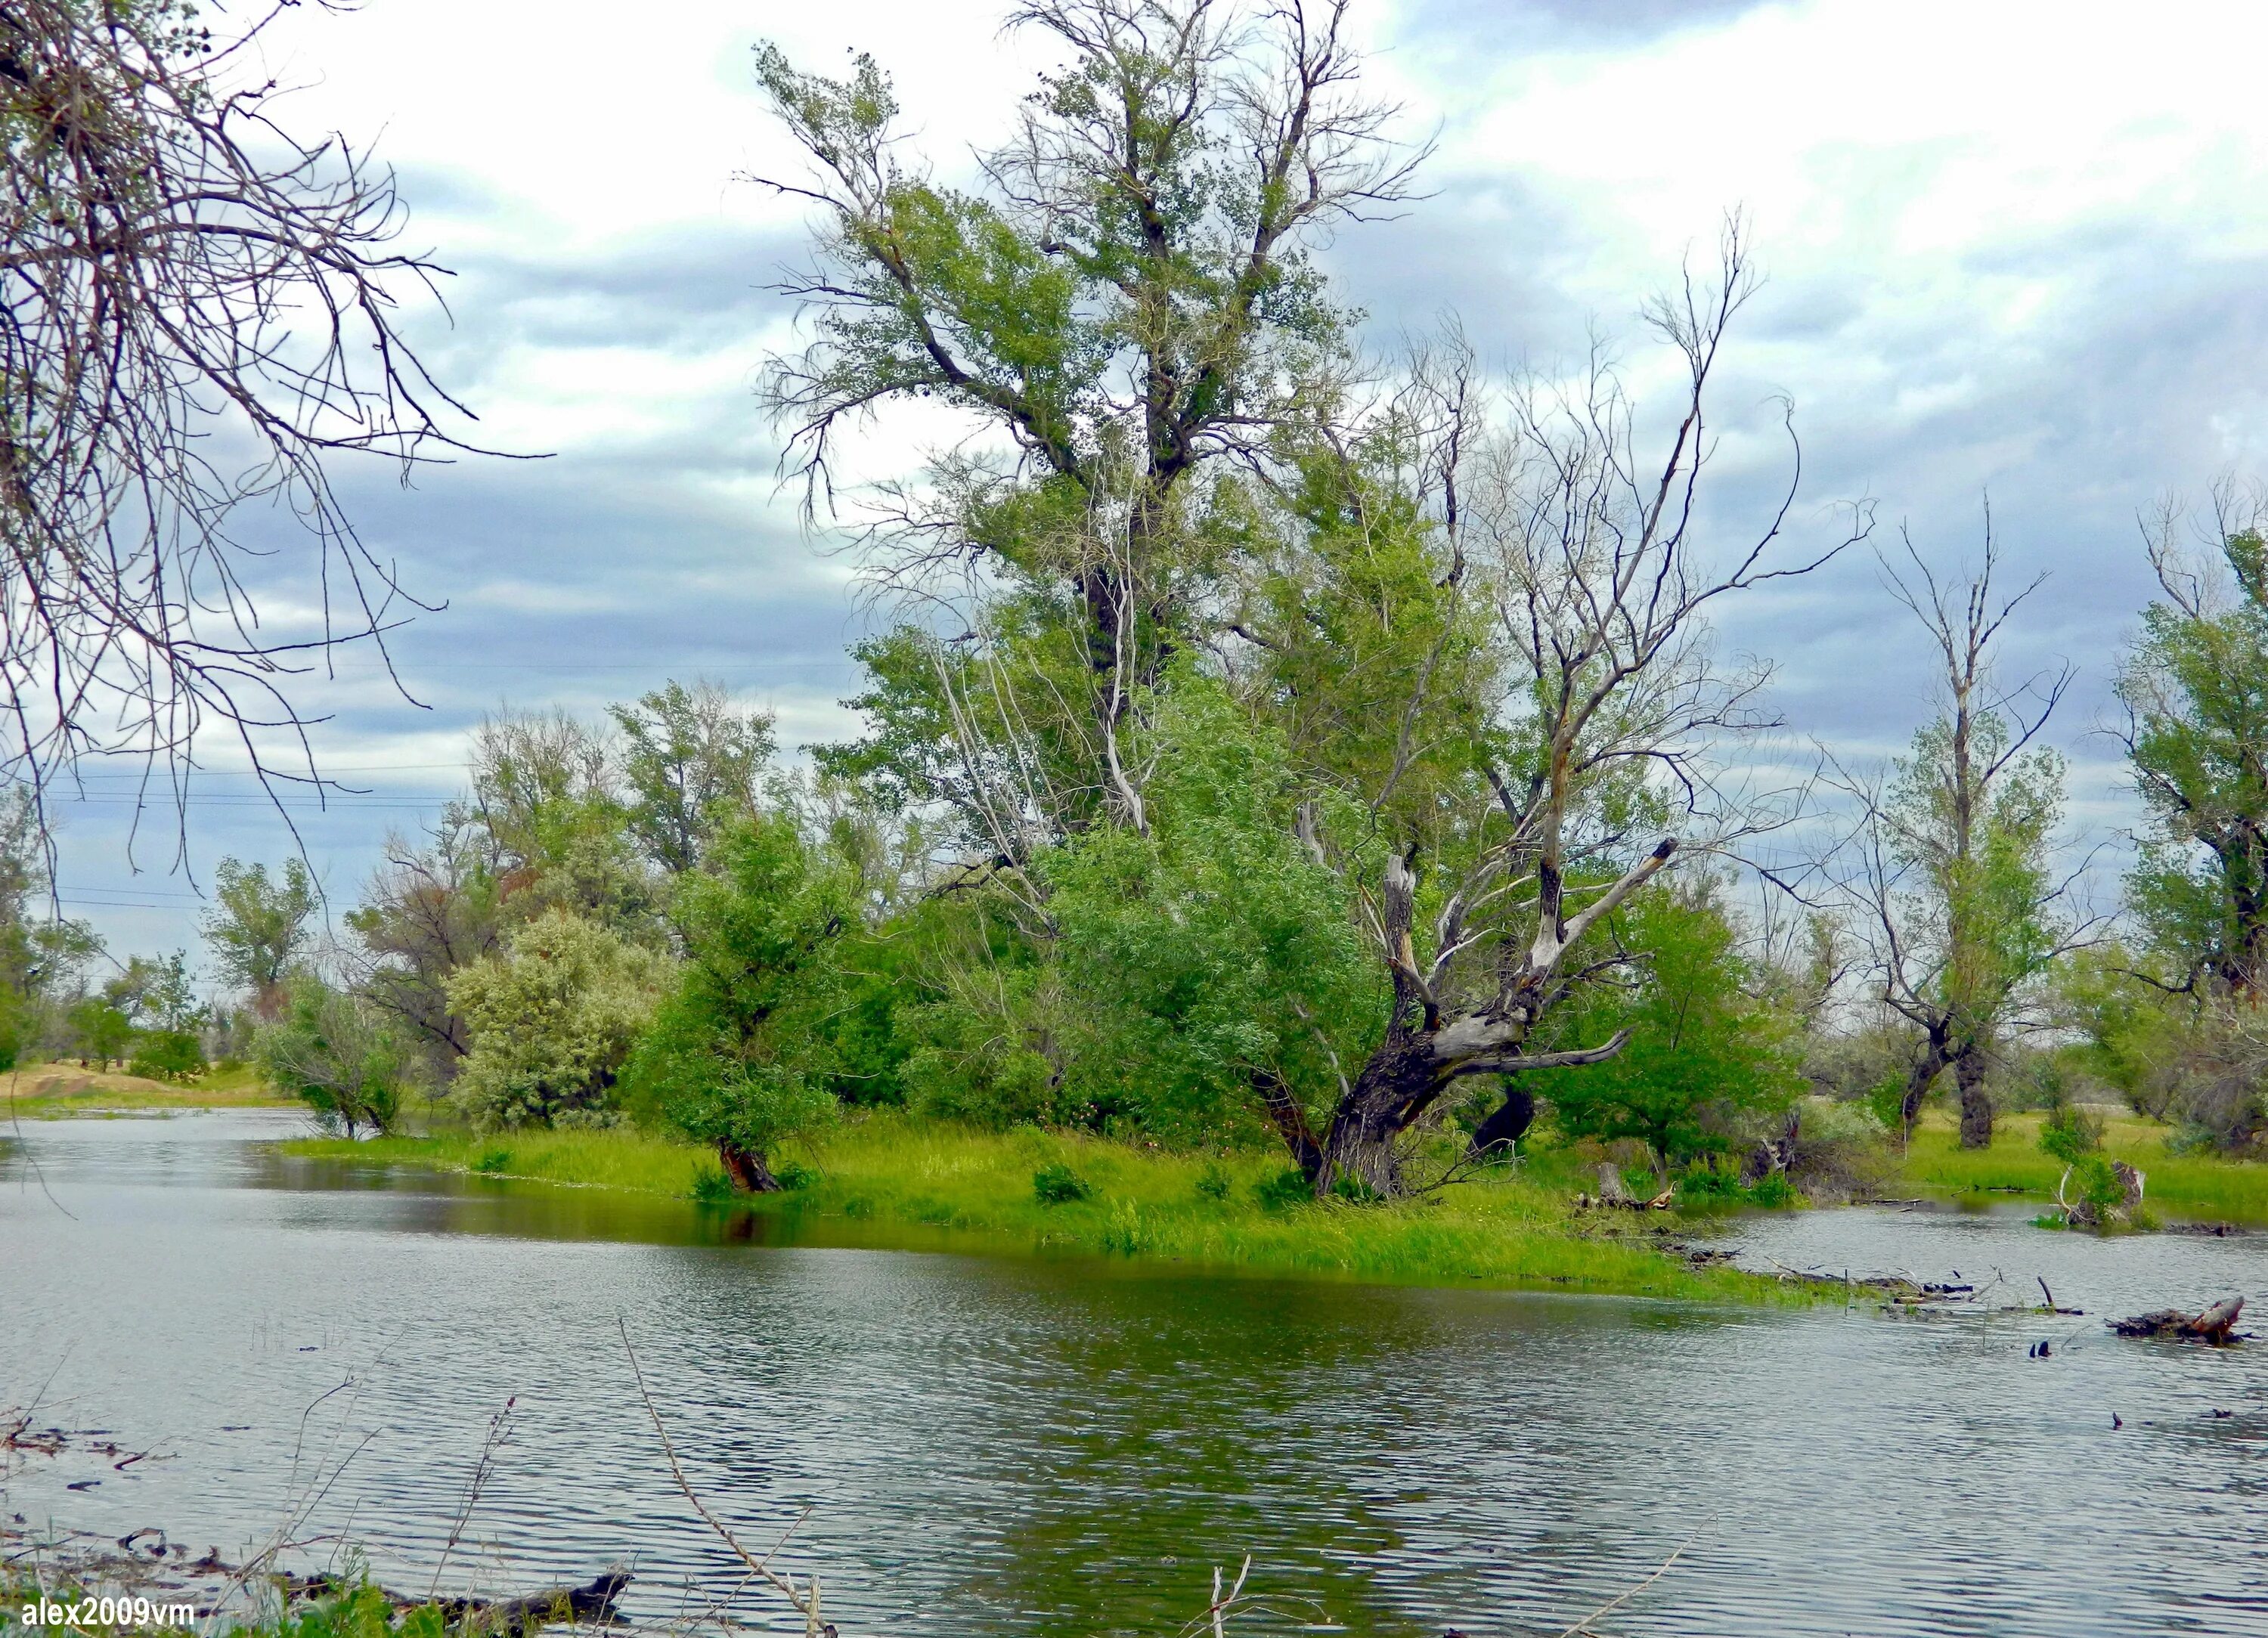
(167, 1055)
(1213, 1182)
(794, 1175)
(1288, 1187)
(2070, 1133)
(712, 1187)
(333, 1050)
(553, 1022)
(1055, 1183)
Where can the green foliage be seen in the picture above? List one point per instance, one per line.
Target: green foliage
(426, 912)
(741, 1052)
(1980, 846)
(257, 927)
(1704, 1055)
(2070, 1133)
(552, 1022)
(1282, 1189)
(100, 1032)
(167, 1055)
(2196, 686)
(1215, 949)
(1214, 1182)
(691, 764)
(1055, 1183)
(336, 1052)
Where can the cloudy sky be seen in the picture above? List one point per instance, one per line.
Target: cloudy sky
(2014, 249)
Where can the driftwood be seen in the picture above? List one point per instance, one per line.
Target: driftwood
(2216, 1325)
(594, 1601)
(1614, 1192)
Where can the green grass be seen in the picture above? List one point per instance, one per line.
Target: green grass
(2188, 1185)
(923, 1184)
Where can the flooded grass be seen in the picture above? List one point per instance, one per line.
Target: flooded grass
(2187, 1185)
(1050, 1191)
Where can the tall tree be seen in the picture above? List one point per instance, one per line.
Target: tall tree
(258, 927)
(1126, 297)
(2194, 686)
(1956, 851)
(690, 763)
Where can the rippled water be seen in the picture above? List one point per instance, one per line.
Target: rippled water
(1026, 1446)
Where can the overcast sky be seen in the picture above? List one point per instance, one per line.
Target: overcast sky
(2013, 248)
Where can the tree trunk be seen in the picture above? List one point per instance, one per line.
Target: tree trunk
(1976, 1102)
(1933, 1058)
(1500, 1135)
(1393, 1089)
(747, 1169)
(1290, 1120)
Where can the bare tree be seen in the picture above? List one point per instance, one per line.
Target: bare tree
(1601, 585)
(1955, 848)
(197, 309)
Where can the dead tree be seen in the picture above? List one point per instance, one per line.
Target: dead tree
(1600, 587)
(197, 309)
(1955, 848)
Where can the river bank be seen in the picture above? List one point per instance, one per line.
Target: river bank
(924, 1185)
(2181, 1186)
(930, 1183)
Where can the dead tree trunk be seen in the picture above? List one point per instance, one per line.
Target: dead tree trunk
(1427, 1050)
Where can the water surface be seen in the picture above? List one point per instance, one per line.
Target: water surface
(982, 1445)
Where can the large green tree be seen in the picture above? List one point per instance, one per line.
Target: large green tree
(2194, 686)
(1125, 299)
(746, 1052)
(259, 925)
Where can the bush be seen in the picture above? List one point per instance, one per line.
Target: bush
(332, 1050)
(1213, 1183)
(1055, 1183)
(167, 1055)
(2070, 1133)
(1288, 1187)
(553, 1022)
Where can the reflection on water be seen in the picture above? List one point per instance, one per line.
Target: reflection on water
(1025, 1446)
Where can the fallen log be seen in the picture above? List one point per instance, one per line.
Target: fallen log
(2214, 1326)
(594, 1601)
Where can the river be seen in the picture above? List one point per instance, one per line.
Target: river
(1007, 1445)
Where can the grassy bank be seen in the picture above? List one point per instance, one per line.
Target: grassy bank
(885, 1171)
(45, 1091)
(2184, 1186)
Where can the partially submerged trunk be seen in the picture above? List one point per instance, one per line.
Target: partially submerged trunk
(2215, 1326)
(747, 1169)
